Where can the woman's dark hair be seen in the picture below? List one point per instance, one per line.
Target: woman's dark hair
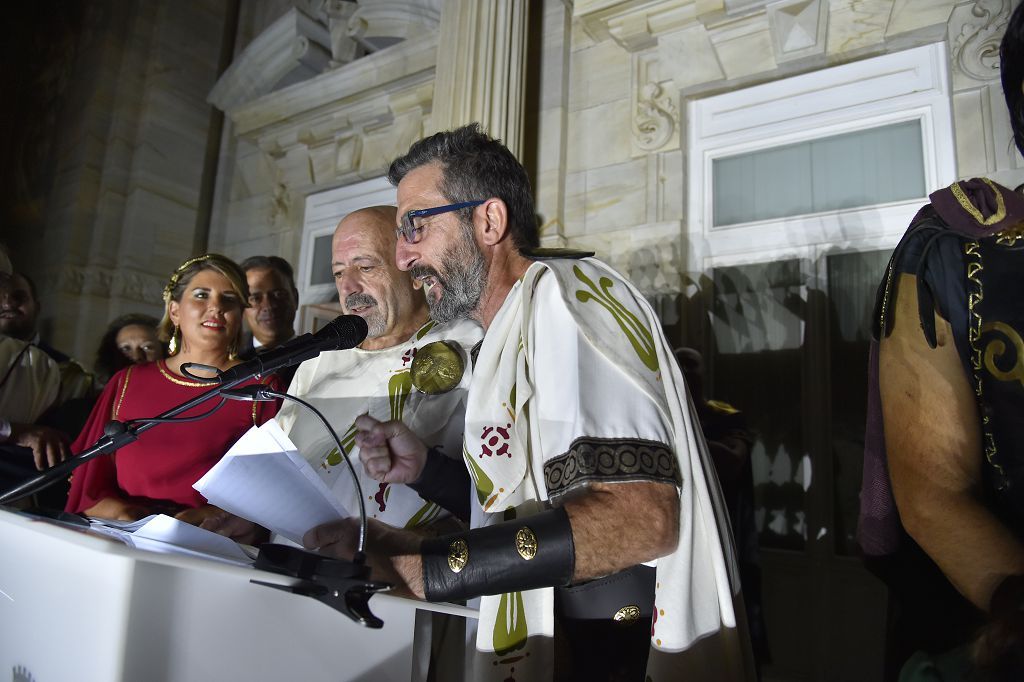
(109, 358)
(474, 167)
(1011, 71)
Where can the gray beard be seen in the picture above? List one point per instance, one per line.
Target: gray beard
(462, 285)
(375, 322)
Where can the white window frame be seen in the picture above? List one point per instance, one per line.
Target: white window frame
(904, 86)
(323, 212)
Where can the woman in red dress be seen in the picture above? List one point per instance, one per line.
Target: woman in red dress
(202, 324)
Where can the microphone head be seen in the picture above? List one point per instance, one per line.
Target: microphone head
(343, 332)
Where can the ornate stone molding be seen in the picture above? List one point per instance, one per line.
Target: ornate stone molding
(976, 44)
(294, 48)
(798, 28)
(655, 114)
(102, 282)
(655, 119)
(395, 19)
(343, 124)
(636, 24)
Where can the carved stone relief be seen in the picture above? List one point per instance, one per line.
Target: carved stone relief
(102, 282)
(975, 32)
(654, 112)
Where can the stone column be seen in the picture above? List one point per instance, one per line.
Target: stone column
(481, 68)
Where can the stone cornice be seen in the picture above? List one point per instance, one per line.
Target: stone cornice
(294, 47)
(402, 66)
(636, 24)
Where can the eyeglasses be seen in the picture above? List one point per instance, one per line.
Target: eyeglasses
(276, 295)
(412, 233)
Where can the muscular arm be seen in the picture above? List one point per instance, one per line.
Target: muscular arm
(614, 526)
(933, 443)
(618, 525)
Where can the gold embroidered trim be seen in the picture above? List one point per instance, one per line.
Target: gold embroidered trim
(124, 389)
(161, 365)
(1010, 235)
(882, 331)
(966, 204)
(975, 295)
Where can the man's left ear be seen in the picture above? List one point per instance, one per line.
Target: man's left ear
(494, 215)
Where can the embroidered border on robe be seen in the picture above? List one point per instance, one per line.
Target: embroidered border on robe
(610, 460)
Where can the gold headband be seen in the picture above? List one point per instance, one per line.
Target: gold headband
(169, 289)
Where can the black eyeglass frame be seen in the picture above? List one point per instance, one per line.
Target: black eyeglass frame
(410, 232)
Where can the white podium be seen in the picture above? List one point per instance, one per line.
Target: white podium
(77, 607)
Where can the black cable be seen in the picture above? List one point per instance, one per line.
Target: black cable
(171, 420)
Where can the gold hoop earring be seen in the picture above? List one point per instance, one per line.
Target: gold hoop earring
(232, 353)
(175, 342)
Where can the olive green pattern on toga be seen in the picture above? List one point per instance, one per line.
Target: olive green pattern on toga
(484, 485)
(333, 457)
(428, 513)
(510, 631)
(639, 336)
(399, 388)
(425, 329)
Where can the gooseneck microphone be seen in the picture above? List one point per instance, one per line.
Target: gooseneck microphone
(343, 585)
(341, 333)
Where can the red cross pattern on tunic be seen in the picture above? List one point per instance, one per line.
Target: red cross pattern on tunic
(491, 437)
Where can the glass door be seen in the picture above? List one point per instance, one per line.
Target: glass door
(786, 343)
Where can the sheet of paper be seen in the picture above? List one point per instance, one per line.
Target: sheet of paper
(167, 535)
(163, 528)
(263, 478)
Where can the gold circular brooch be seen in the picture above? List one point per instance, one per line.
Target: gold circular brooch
(458, 555)
(526, 543)
(437, 368)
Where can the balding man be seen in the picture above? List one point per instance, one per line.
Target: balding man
(407, 369)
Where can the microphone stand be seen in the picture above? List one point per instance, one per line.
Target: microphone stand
(343, 585)
(344, 331)
(116, 436)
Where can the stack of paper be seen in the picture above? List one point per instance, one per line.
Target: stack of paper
(263, 478)
(167, 535)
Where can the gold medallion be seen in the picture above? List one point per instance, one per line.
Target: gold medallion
(627, 614)
(458, 555)
(437, 368)
(526, 543)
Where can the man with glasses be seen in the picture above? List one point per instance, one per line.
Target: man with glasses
(580, 442)
(273, 301)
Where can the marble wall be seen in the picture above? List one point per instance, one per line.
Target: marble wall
(634, 66)
(607, 140)
(127, 159)
(323, 94)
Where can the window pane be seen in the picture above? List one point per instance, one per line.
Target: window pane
(852, 281)
(321, 273)
(758, 322)
(863, 168)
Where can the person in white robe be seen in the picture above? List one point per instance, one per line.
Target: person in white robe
(581, 442)
(29, 385)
